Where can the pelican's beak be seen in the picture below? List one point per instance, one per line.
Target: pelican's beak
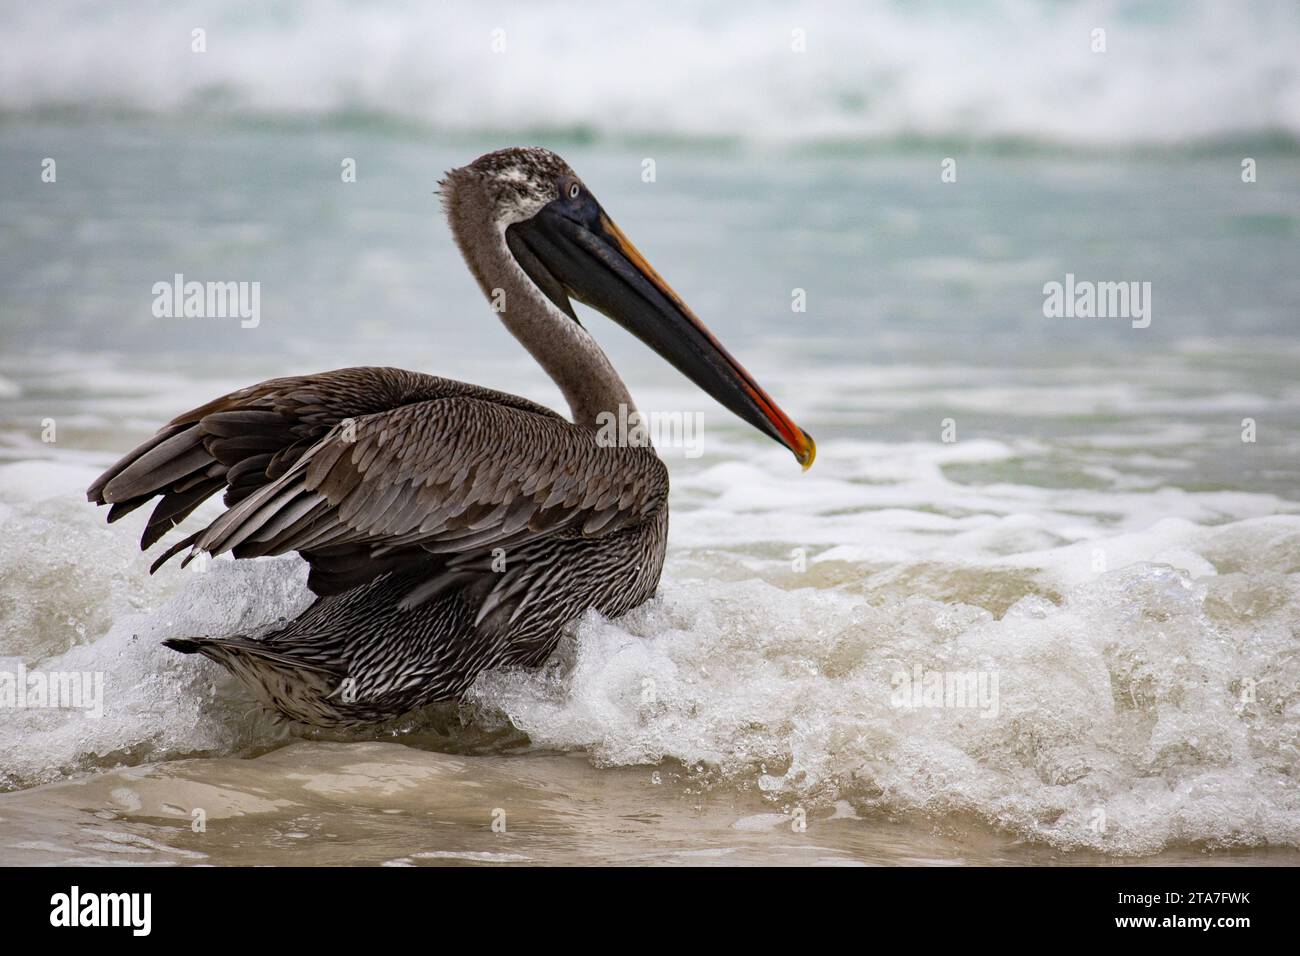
(574, 248)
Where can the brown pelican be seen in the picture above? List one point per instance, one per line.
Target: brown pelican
(448, 527)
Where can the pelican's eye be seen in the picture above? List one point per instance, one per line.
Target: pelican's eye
(574, 190)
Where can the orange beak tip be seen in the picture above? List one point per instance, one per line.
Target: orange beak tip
(807, 454)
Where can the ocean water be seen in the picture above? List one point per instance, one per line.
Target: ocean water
(773, 72)
(1100, 524)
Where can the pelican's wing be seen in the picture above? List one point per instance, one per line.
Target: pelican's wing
(443, 480)
(242, 441)
(454, 478)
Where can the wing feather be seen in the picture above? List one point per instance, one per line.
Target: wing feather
(367, 470)
(448, 476)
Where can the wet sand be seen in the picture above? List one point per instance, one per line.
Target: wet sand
(389, 804)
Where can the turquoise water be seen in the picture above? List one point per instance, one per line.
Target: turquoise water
(899, 270)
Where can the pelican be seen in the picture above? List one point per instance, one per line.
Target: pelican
(448, 528)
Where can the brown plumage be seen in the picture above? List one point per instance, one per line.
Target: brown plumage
(448, 527)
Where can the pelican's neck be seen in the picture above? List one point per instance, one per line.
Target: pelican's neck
(563, 348)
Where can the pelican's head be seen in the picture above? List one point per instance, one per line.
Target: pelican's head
(567, 244)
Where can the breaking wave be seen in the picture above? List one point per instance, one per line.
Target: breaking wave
(1004, 69)
(1141, 648)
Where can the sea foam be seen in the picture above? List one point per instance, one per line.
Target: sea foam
(997, 68)
(1141, 645)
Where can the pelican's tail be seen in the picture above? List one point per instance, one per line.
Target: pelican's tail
(186, 645)
(299, 689)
